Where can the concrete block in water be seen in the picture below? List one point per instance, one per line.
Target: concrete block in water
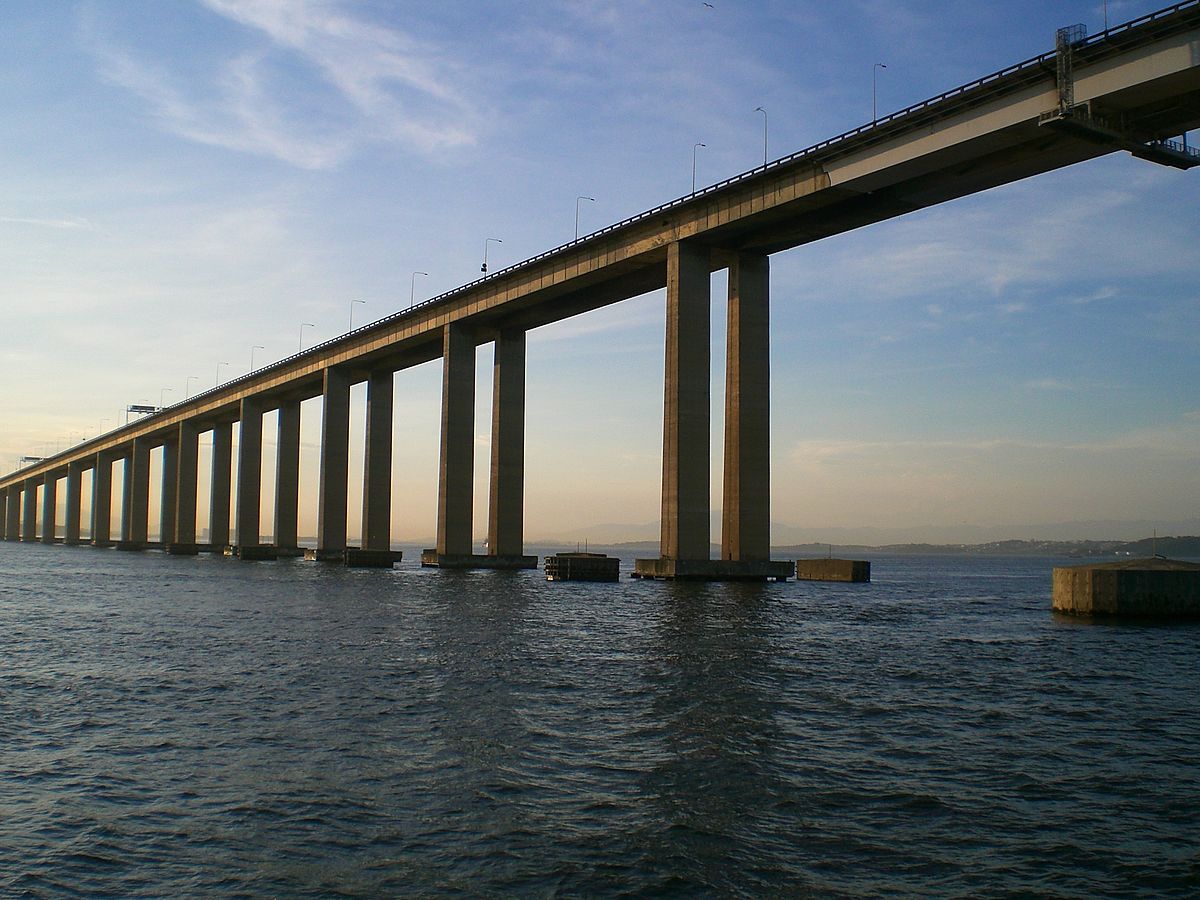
(856, 570)
(1138, 588)
(582, 567)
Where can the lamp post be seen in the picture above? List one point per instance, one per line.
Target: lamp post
(252, 349)
(577, 200)
(304, 325)
(695, 147)
(875, 91)
(352, 302)
(161, 397)
(486, 241)
(187, 386)
(102, 421)
(764, 112)
(412, 288)
(219, 372)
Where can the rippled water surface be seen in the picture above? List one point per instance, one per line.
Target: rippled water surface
(175, 726)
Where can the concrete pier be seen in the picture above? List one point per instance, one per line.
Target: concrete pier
(365, 558)
(29, 512)
(377, 465)
(135, 502)
(168, 492)
(1153, 588)
(506, 506)
(431, 558)
(102, 501)
(456, 476)
(287, 477)
(249, 484)
(187, 460)
(335, 454)
(74, 502)
(49, 506)
(222, 476)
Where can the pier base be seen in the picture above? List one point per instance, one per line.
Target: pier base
(854, 570)
(714, 569)
(183, 549)
(582, 567)
(254, 552)
(435, 560)
(1142, 588)
(354, 558)
(130, 545)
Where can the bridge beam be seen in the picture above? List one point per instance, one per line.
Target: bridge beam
(686, 404)
(136, 496)
(249, 486)
(49, 506)
(222, 474)
(507, 490)
(456, 472)
(746, 508)
(377, 464)
(287, 476)
(29, 512)
(74, 500)
(102, 500)
(335, 453)
(187, 462)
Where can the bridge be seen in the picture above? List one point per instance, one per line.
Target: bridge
(1133, 88)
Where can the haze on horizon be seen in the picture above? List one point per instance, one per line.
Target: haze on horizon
(182, 184)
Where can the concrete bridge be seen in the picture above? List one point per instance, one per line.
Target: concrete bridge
(1132, 88)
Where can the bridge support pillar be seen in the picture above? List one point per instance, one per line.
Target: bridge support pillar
(73, 503)
(49, 507)
(249, 487)
(456, 472)
(168, 508)
(507, 491)
(287, 477)
(746, 517)
(136, 497)
(335, 452)
(102, 501)
(222, 474)
(4, 492)
(686, 405)
(29, 512)
(377, 466)
(182, 537)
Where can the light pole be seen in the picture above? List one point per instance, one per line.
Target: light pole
(187, 386)
(764, 112)
(577, 199)
(695, 147)
(483, 268)
(875, 91)
(219, 372)
(304, 325)
(102, 421)
(412, 288)
(252, 349)
(161, 396)
(352, 302)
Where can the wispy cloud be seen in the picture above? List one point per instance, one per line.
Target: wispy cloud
(69, 223)
(317, 84)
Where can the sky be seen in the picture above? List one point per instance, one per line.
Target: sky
(183, 184)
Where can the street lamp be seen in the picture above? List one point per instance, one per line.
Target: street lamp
(187, 386)
(161, 395)
(875, 91)
(695, 147)
(102, 421)
(252, 349)
(483, 268)
(577, 199)
(219, 372)
(352, 302)
(764, 112)
(412, 288)
(304, 325)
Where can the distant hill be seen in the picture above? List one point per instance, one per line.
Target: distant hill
(1176, 547)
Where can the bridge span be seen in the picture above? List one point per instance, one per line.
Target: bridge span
(1132, 88)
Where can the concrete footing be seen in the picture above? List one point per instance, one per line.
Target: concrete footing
(856, 570)
(582, 567)
(254, 552)
(433, 559)
(354, 558)
(1142, 588)
(183, 549)
(101, 544)
(130, 545)
(714, 569)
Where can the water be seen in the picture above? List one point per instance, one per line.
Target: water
(203, 726)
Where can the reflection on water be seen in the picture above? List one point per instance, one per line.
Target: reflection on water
(206, 726)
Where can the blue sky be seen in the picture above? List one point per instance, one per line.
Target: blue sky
(183, 181)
